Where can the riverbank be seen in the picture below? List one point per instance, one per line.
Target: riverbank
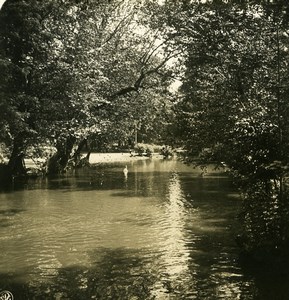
(96, 158)
(114, 157)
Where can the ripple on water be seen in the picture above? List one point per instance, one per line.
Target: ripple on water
(159, 233)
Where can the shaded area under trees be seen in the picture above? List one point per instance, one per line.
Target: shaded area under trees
(73, 71)
(234, 109)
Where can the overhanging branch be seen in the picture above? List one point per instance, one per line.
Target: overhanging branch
(143, 75)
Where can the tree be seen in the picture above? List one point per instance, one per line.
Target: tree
(76, 69)
(114, 63)
(23, 51)
(235, 106)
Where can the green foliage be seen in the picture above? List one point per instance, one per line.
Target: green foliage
(167, 152)
(78, 70)
(265, 221)
(144, 149)
(23, 44)
(234, 109)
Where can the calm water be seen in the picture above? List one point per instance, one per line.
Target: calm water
(164, 232)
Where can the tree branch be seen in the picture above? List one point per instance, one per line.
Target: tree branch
(143, 75)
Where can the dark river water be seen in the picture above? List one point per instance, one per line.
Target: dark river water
(162, 232)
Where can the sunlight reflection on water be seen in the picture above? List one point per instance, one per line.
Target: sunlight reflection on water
(160, 232)
(176, 255)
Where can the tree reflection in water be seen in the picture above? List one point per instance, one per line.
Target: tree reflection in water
(164, 233)
(115, 274)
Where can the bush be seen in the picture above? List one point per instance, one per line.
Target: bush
(265, 220)
(146, 149)
(166, 151)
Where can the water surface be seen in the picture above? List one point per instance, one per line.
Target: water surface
(162, 232)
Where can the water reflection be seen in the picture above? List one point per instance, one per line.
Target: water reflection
(176, 253)
(114, 274)
(162, 232)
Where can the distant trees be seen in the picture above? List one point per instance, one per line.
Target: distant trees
(235, 105)
(73, 70)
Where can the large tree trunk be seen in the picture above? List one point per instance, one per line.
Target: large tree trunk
(77, 153)
(16, 162)
(59, 161)
(78, 161)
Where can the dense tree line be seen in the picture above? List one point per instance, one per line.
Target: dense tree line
(234, 108)
(73, 72)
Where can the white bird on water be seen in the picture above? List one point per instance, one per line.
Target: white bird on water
(125, 171)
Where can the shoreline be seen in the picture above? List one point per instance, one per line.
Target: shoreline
(96, 158)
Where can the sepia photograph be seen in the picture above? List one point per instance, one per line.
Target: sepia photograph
(144, 149)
